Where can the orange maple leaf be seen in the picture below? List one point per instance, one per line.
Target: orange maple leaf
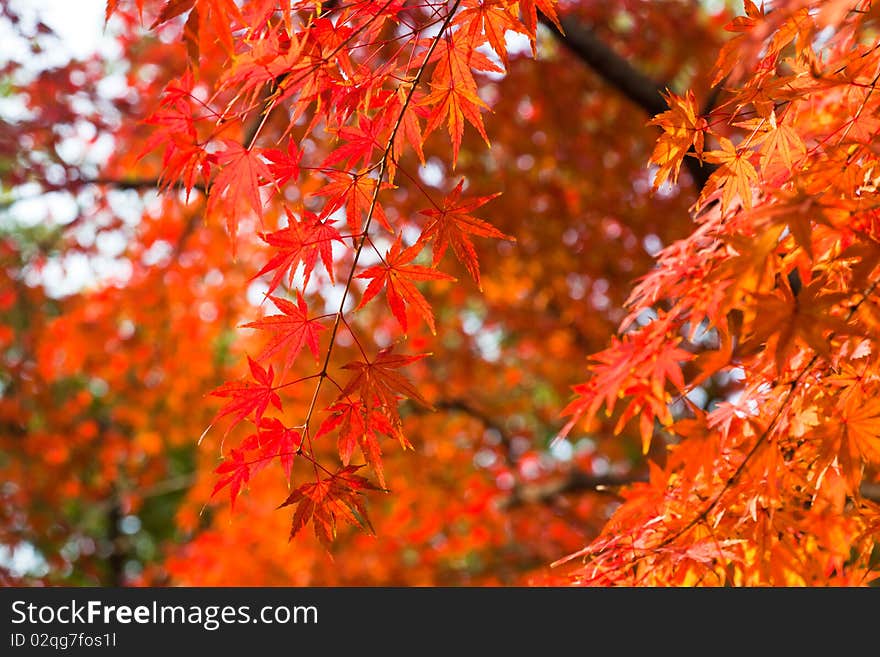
(735, 176)
(861, 424)
(682, 128)
(781, 319)
(529, 9)
(781, 144)
(454, 104)
(487, 21)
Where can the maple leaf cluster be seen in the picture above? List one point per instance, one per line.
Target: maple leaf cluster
(778, 285)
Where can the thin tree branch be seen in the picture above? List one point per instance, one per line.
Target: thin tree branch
(387, 157)
(462, 406)
(582, 41)
(543, 493)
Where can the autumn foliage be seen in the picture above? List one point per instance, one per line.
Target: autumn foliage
(446, 293)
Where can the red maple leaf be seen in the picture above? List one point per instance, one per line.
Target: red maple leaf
(275, 440)
(396, 275)
(292, 330)
(284, 165)
(454, 93)
(378, 380)
(218, 12)
(234, 472)
(240, 172)
(301, 241)
(358, 145)
(451, 225)
(183, 158)
(355, 193)
(349, 418)
(358, 427)
(247, 398)
(172, 9)
(322, 501)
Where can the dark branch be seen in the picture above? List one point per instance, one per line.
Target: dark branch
(138, 184)
(646, 93)
(581, 482)
(610, 66)
(576, 482)
(870, 491)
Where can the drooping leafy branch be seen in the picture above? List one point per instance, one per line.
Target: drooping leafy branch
(380, 76)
